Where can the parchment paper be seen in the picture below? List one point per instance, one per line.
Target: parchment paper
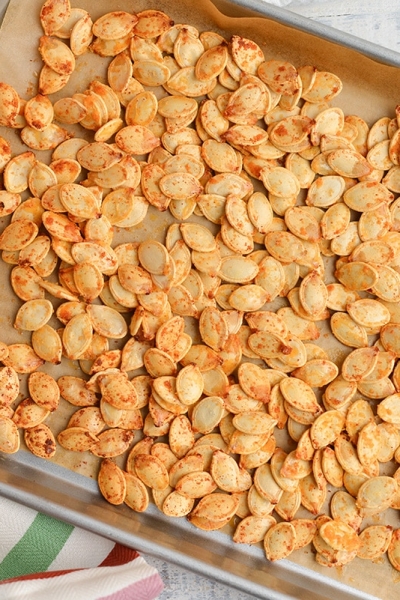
(370, 91)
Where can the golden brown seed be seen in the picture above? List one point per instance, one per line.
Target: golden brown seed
(279, 541)
(40, 441)
(9, 436)
(44, 390)
(111, 482)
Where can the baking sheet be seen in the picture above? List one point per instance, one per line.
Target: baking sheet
(370, 91)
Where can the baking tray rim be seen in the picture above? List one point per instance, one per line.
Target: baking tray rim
(73, 498)
(342, 38)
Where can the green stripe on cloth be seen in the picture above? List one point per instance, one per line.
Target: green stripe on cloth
(37, 548)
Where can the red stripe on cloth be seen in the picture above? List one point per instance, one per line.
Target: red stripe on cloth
(118, 556)
(145, 589)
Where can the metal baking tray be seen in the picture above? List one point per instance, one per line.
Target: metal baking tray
(74, 498)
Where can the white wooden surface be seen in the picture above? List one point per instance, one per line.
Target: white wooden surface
(377, 21)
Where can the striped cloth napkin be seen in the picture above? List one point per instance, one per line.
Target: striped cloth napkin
(42, 558)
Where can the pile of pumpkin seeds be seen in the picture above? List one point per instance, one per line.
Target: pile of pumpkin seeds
(267, 183)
